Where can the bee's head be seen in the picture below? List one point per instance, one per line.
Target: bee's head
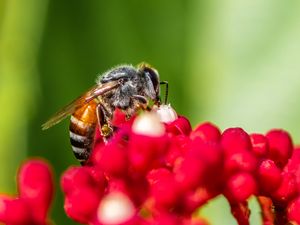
(153, 76)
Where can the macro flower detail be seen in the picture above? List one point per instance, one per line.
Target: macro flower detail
(161, 172)
(152, 172)
(35, 192)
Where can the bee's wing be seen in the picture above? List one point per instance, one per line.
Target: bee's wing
(88, 96)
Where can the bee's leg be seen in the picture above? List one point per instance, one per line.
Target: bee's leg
(141, 102)
(137, 103)
(104, 122)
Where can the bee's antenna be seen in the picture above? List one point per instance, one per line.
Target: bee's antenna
(166, 91)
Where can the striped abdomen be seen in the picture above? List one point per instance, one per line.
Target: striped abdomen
(82, 130)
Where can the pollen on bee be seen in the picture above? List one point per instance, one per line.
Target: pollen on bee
(106, 130)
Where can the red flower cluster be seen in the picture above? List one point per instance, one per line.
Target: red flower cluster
(156, 170)
(160, 173)
(35, 187)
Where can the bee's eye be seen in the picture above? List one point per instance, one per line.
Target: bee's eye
(154, 77)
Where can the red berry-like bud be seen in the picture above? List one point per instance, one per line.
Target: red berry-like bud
(180, 126)
(210, 155)
(98, 177)
(286, 190)
(81, 204)
(293, 210)
(194, 199)
(146, 152)
(293, 166)
(206, 132)
(163, 188)
(178, 146)
(260, 145)
(174, 154)
(281, 146)
(112, 159)
(78, 177)
(36, 187)
(14, 211)
(269, 175)
(189, 173)
(240, 186)
(74, 177)
(234, 140)
(240, 161)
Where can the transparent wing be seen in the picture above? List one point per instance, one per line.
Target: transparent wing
(88, 96)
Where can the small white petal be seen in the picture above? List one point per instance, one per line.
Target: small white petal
(148, 124)
(166, 113)
(115, 208)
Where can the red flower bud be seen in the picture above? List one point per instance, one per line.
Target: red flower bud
(35, 194)
(286, 190)
(293, 166)
(234, 140)
(269, 175)
(206, 132)
(163, 188)
(281, 147)
(189, 173)
(14, 211)
(78, 177)
(81, 204)
(111, 158)
(240, 161)
(194, 199)
(146, 153)
(240, 186)
(260, 145)
(210, 155)
(36, 187)
(180, 126)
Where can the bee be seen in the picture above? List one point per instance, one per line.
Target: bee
(124, 87)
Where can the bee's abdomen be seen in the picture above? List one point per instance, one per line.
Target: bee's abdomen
(82, 130)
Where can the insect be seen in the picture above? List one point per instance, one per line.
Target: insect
(125, 87)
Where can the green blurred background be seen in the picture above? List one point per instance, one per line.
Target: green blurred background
(235, 63)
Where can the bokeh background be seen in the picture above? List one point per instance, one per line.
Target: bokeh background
(235, 63)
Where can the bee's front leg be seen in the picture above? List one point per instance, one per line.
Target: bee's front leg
(140, 102)
(137, 103)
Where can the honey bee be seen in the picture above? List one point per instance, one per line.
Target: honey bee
(124, 87)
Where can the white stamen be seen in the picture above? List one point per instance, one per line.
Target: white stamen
(166, 113)
(148, 124)
(115, 208)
